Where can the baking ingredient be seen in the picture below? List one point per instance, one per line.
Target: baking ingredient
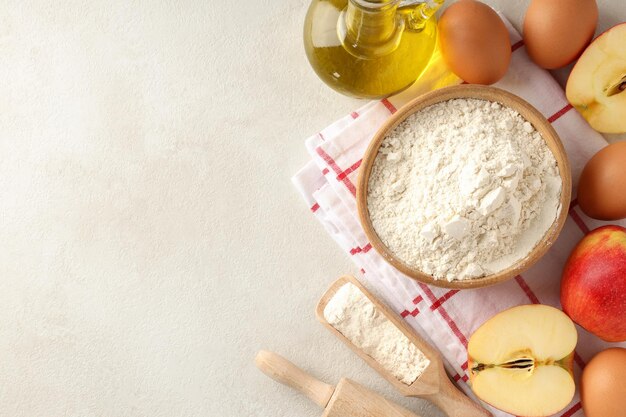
(602, 182)
(593, 289)
(520, 360)
(463, 188)
(602, 386)
(357, 318)
(557, 31)
(474, 42)
(367, 49)
(597, 84)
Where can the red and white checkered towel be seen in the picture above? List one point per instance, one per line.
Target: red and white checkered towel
(448, 317)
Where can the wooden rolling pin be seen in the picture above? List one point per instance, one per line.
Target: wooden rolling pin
(433, 385)
(348, 399)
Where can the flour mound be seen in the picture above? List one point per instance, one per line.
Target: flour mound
(360, 321)
(463, 189)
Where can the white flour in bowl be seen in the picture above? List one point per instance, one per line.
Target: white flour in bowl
(463, 189)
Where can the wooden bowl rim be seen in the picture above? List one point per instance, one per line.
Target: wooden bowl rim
(528, 112)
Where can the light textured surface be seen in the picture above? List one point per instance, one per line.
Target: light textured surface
(151, 239)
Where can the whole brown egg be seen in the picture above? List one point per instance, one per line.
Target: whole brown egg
(474, 42)
(557, 31)
(602, 185)
(603, 390)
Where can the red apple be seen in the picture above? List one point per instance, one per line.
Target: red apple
(520, 360)
(593, 289)
(597, 84)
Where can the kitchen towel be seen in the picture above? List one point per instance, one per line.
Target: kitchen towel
(447, 317)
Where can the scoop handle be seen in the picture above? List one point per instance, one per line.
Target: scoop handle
(454, 403)
(285, 372)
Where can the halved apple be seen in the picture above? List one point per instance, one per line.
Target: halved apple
(520, 360)
(597, 84)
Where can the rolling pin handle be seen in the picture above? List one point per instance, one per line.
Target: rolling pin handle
(285, 372)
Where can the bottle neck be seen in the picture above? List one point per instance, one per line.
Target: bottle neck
(370, 21)
(370, 28)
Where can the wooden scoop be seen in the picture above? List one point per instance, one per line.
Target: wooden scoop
(348, 399)
(433, 384)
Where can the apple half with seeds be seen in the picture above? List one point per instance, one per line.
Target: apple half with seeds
(520, 360)
(597, 84)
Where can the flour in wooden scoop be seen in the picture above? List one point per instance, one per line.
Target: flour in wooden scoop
(357, 318)
(463, 189)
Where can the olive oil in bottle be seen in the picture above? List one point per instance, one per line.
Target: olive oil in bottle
(370, 48)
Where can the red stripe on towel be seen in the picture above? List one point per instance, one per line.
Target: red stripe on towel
(392, 109)
(572, 410)
(527, 290)
(442, 299)
(560, 113)
(517, 45)
(444, 314)
(333, 165)
(358, 249)
(349, 171)
(579, 221)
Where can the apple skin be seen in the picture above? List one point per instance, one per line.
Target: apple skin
(593, 289)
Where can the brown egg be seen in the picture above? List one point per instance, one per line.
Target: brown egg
(603, 386)
(474, 42)
(557, 31)
(603, 181)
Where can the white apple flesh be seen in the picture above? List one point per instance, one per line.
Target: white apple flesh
(520, 360)
(597, 84)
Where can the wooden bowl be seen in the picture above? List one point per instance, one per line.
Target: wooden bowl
(507, 99)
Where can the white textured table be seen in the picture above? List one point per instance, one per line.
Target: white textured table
(151, 239)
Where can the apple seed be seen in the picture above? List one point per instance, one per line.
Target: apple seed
(616, 88)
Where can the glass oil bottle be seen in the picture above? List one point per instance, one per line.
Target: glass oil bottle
(370, 48)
